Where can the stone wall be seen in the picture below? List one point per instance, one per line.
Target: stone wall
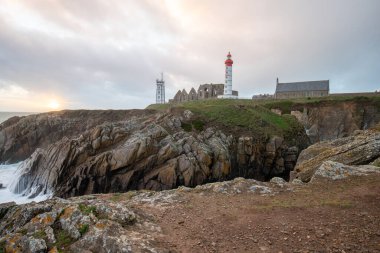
(301, 94)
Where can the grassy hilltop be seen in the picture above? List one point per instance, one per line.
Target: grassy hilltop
(255, 116)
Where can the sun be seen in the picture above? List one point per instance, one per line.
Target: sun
(53, 104)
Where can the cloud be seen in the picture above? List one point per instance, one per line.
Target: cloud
(107, 54)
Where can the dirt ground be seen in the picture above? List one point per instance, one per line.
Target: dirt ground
(327, 216)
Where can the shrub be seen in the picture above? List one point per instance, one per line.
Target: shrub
(187, 127)
(198, 125)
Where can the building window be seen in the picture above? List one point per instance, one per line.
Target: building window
(158, 97)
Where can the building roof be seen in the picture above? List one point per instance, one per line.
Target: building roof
(303, 86)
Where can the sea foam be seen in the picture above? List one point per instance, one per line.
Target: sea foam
(8, 177)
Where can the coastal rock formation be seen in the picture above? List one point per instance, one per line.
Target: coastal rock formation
(259, 216)
(20, 136)
(359, 149)
(152, 153)
(103, 224)
(335, 171)
(330, 121)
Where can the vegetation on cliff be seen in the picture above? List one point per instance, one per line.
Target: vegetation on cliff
(238, 116)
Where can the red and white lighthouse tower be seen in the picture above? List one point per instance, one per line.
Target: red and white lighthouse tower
(228, 82)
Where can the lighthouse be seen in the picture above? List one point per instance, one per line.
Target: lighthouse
(228, 82)
(228, 93)
(160, 90)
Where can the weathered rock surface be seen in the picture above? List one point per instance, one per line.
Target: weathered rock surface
(330, 121)
(132, 221)
(360, 149)
(150, 152)
(21, 136)
(103, 223)
(335, 171)
(78, 225)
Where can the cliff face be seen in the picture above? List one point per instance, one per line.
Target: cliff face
(150, 152)
(81, 152)
(20, 136)
(329, 121)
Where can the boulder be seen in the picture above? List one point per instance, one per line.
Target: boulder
(359, 149)
(335, 171)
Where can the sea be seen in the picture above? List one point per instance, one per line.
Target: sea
(6, 115)
(9, 173)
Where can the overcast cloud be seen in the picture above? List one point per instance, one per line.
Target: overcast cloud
(107, 54)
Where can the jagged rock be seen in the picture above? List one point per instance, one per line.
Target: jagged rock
(329, 121)
(359, 149)
(335, 171)
(120, 222)
(148, 152)
(274, 159)
(82, 224)
(4, 207)
(35, 245)
(21, 136)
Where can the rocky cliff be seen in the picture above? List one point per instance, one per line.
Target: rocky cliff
(151, 152)
(20, 136)
(332, 120)
(73, 153)
(362, 148)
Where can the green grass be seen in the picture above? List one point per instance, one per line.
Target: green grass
(198, 125)
(255, 115)
(87, 209)
(63, 239)
(83, 229)
(237, 113)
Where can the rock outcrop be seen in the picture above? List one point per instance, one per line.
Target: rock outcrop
(150, 152)
(335, 171)
(359, 149)
(105, 223)
(21, 136)
(329, 121)
(133, 221)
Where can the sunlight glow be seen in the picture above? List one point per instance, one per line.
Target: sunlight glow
(53, 104)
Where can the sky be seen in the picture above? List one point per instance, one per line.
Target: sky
(95, 54)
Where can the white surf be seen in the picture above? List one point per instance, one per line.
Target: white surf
(8, 174)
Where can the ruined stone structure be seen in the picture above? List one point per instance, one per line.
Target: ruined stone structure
(205, 91)
(302, 89)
